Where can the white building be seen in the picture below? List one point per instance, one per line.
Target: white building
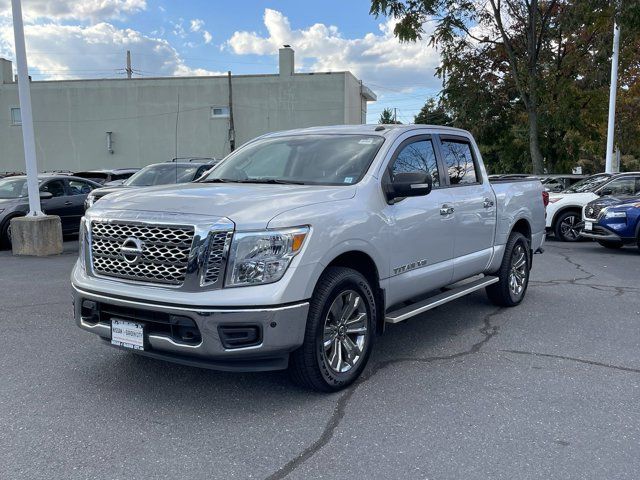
(83, 124)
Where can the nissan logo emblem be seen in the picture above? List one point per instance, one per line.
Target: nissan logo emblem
(131, 250)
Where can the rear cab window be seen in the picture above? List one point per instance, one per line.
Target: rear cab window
(459, 162)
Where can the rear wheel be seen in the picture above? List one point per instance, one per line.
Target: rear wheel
(513, 274)
(339, 334)
(5, 234)
(567, 228)
(611, 244)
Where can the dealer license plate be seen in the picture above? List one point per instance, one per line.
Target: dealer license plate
(127, 334)
(588, 226)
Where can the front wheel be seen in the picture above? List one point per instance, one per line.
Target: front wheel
(513, 274)
(339, 334)
(567, 228)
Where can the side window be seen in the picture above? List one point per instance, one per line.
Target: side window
(56, 187)
(458, 161)
(622, 186)
(417, 157)
(78, 187)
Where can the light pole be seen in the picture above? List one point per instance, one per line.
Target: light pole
(612, 98)
(24, 93)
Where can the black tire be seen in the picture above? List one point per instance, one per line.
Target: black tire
(612, 244)
(501, 293)
(309, 365)
(5, 237)
(561, 230)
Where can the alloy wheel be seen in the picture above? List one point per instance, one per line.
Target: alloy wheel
(345, 331)
(569, 227)
(518, 272)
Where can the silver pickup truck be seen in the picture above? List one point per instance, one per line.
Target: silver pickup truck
(299, 247)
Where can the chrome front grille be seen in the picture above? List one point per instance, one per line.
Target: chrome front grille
(157, 253)
(218, 247)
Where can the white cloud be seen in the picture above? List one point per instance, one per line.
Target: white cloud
(75, 9)
(196, 25)
(375, 58)
(95, 51)
(207, 37)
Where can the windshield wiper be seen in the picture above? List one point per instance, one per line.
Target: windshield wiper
(272, 180)
(218, 180)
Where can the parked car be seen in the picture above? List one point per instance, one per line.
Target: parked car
(613, 221)
(299, 247)
(106, 176)
(564, 213)
(61, 195)
(559, 183)
(158, 174)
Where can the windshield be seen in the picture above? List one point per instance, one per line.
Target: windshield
(13, 188)
(300, 159)
(589, 184)
(162, 174)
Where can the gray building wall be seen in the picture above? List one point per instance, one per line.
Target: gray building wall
(72, 118)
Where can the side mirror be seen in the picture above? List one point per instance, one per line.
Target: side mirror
(46, 195)
(411, 184)
(606, 191)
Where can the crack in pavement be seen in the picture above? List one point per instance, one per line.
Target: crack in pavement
(488, 331)
(574, 359)
(619, 290)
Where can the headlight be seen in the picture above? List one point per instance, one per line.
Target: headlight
(82, 238)
(263, 257)
(614, 214)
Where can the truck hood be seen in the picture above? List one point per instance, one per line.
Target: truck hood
(249, 206)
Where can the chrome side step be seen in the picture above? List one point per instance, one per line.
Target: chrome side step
(409, 311)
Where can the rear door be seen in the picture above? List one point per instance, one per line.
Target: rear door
(474, 205)
(77, 191)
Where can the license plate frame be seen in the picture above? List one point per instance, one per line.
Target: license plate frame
(127, 334)
(588, 226)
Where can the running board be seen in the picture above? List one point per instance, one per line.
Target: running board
(412, 310)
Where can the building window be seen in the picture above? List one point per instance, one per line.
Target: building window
(16, 116)
(219, 112)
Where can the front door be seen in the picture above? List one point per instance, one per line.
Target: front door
(421, 228)
(77, 191)
(59, 204)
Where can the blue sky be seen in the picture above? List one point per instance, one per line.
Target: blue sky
(89, 38)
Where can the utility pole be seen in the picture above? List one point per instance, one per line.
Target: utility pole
(24, 94)
(129, 70)
(232, 131)
(395, 120)
(612, 97)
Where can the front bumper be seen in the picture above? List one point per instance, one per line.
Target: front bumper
(199, 336)
(601, 233)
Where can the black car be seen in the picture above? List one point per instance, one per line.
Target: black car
(158, 174)
(60, 195)
(106, 176)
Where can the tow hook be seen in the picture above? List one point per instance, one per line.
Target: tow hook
(539, 250)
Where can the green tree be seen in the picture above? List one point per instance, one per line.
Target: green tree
(386, 117)
(432, 113)
(522, 34)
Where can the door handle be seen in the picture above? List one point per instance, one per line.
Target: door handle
(446, 209)
(488, 203)
(67, 203)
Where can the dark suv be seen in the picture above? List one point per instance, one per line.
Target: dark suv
(61, 195)
(175, 171)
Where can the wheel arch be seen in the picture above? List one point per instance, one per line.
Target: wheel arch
(364, 264)
(567, 208)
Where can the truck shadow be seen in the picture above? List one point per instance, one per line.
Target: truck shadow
(126, 376)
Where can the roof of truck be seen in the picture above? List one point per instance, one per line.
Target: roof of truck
(379, 129)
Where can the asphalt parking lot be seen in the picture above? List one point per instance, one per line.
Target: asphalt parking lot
(550, 389)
